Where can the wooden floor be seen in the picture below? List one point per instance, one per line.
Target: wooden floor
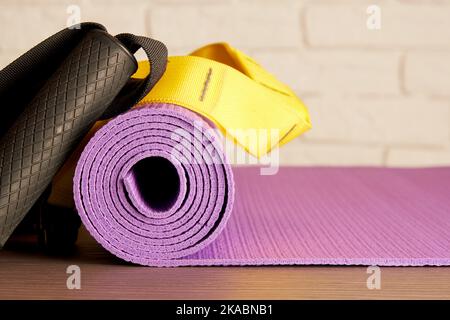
(25, 273)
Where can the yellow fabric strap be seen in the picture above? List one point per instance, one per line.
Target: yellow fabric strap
(236, 93)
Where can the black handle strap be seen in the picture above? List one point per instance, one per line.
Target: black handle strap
(24, 78)
(136, 89)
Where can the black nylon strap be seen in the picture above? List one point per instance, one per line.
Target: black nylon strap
(136, 89)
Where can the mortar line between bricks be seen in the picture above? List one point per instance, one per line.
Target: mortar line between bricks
(148, 21)
(376, 47)
(303, 27)
(433, 96)
(372, 144)
(352, 96)
(415, 148)
(385, 156)
(305, 49)
(190, 4)
(401, 74)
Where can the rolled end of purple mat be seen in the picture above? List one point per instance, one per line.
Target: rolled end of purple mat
(153, 185)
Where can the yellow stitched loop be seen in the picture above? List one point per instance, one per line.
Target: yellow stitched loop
(236, 93)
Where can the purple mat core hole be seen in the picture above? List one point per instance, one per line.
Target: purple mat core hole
(153, 185)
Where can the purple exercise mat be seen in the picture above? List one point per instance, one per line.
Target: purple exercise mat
(343, 216)
(337, 216)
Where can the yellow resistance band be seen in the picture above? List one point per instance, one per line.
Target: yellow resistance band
(236, 93)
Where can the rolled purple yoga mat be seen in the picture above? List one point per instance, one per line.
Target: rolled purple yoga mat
(152, 185)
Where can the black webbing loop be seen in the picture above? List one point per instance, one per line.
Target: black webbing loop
(31, 75)
(136, 89)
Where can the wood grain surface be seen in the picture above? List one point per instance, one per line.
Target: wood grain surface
(26, 273)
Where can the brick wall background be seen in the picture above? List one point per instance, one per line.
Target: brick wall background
(376, 97)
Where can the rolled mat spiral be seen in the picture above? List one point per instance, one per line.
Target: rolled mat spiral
(152, 185)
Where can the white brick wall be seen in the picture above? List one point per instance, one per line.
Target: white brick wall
(24, 26)
(410, 24)
(301, 152)
(417, 157)
(428, 73)
(337, 72)
(377, 97)
(246, 25)
(382, 121)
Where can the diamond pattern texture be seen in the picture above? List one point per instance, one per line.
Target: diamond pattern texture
(40, 140)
